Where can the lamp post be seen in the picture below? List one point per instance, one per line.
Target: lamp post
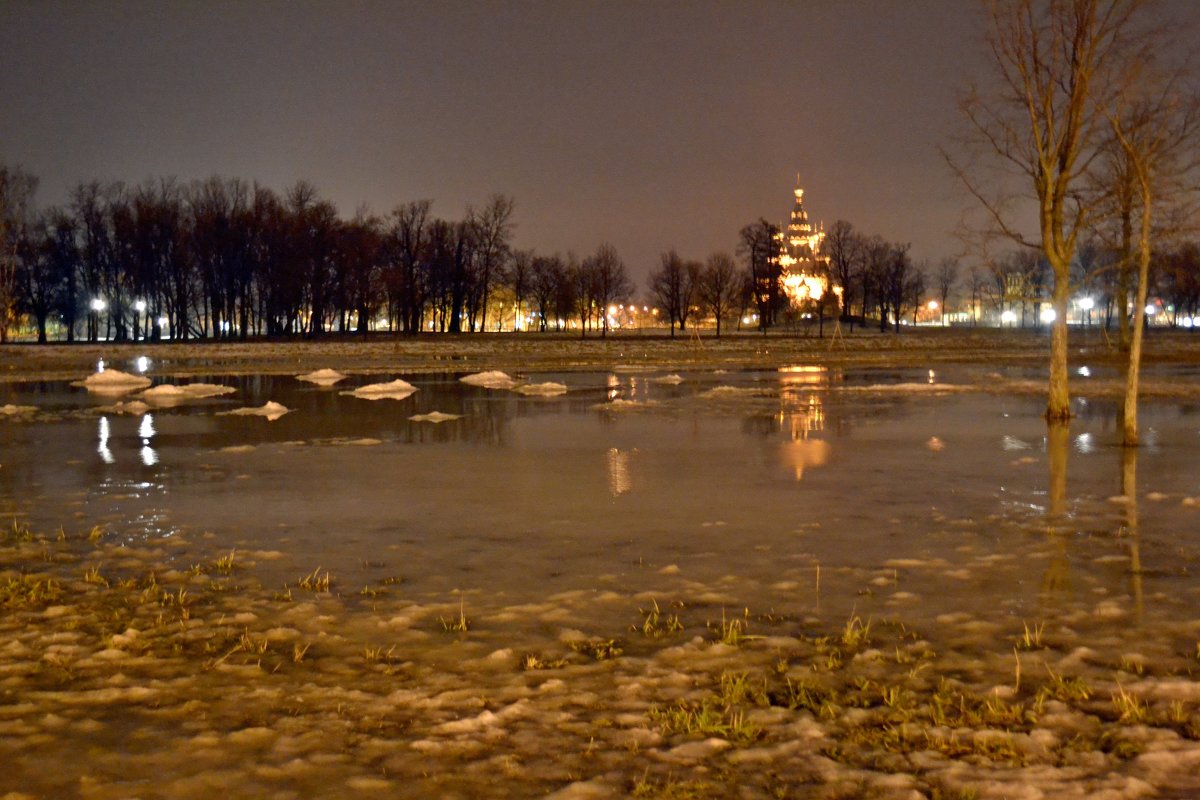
(97, 305)
(1087, 304)
(139, 307)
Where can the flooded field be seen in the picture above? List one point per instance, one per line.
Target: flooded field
(796, 582)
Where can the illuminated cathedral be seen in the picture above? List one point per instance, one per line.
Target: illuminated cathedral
(803, 267)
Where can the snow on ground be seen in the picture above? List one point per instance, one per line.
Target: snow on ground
(271, 410)
(392, 390)
(674, 379)
(923, 347)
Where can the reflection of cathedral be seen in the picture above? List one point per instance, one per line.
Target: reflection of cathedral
(802, 265)
(801, 413)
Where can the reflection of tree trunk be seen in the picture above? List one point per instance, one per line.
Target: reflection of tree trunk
(1129, 490)
(1058, 436)
(1058, 573)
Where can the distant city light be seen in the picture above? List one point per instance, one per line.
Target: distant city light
(98, 304)
(163, 322)
(139, 306)
(1048, 315)
(1151, 310)
(1087, 303)
(1008, 317)
(933, 305)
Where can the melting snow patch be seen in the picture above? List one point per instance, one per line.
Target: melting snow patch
(672, 379)
(393, 390)
(620, 404)
(322, 377)
(547, 389)
(493, 379)
(721, 392)
(434, 417)
(238, 448)
(170, 392)
(9, 410)
(113, 381)
(134, 407)
(271, 410)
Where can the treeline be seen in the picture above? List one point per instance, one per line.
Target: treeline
(224, 258)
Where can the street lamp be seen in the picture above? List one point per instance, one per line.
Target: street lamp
(139, 307)
(97, 305)
(1008, 317)
(1087, 304)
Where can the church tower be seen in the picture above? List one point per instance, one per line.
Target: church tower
(802, 265)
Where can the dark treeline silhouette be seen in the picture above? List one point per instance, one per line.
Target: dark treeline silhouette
(226, 259)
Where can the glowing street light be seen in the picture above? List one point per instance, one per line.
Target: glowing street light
(139, 306)
(1151, 310)
(1087, 303)
(1008, 317)
(98, 304)
(1048, 315)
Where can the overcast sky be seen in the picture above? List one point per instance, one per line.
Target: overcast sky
(649, 125)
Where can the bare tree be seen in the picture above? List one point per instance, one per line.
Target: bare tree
(760, 246)
(844, 247)
(16, 205)
(1056, 62)
(719, 286)
(493, 228)
(672, 286)
(609, 280)
(944, 279)
(519, 277)
(1154, 122)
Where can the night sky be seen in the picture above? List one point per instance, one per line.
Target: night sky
(648, 125)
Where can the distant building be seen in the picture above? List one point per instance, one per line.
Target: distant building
(804, 269)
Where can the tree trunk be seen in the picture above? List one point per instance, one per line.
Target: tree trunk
(1129, 410)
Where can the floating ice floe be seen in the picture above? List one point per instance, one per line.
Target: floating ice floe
(393, 390)
(168, 393)
(724, 392)
(271, 410)
(674, 379)
(434, 417)
(493, 379)
(621, 404)
(9, 410)
(132, 407)
(322, 377)
(113, 381)
(547, 389)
